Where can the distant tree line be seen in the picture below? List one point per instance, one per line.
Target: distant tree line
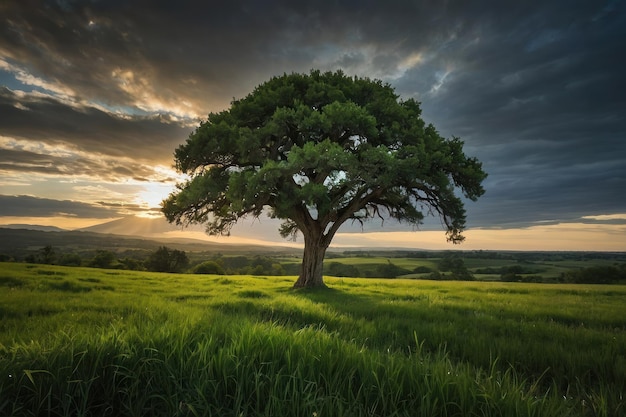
(380, 270)
(452, 263)
(163, 259)
(596, 275)
(240, 265)
(384, 270)
(514, 273)
(450, 266)
(522, 257)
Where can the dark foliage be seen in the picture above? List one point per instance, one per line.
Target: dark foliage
(339, 269)
(208, 267)
(103, 259)
(165, 259)
(454, 264)
(596, 275)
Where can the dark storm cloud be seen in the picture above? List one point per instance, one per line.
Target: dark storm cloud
(535, 88)
(537, 97)
(212, 52)
(118, 51)
(108, 169)
(28, 206)
(45, 119)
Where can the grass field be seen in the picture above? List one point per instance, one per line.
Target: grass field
(91, 342)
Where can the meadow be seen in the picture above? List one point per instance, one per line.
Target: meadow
(95, 342)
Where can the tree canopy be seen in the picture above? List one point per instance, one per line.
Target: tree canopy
(165, 259)
(317, 150)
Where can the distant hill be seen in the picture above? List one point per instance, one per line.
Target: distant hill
(133, 226)
(33, 227)
(21, 242)
(262, 232)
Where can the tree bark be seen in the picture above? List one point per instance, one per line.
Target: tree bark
(312, 275)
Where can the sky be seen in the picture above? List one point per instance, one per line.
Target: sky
(95, 95)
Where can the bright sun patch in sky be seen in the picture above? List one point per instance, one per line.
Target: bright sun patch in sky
(150, 194)
(151, 197)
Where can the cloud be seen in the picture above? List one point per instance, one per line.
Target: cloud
(29, 206)
(43, 118)
(534, 88)
(57, 160)
(535, 98)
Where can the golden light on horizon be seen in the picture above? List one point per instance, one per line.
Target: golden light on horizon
(558, 237)
(151, 197)
(562, 237)
(152, 193)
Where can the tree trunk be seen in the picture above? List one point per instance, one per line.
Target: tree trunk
(312, 275)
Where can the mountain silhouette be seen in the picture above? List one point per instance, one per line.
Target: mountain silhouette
(134, 226)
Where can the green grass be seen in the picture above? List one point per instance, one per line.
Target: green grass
(80, 341)
(408, 263)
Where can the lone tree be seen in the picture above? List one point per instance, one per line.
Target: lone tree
(317, 150)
